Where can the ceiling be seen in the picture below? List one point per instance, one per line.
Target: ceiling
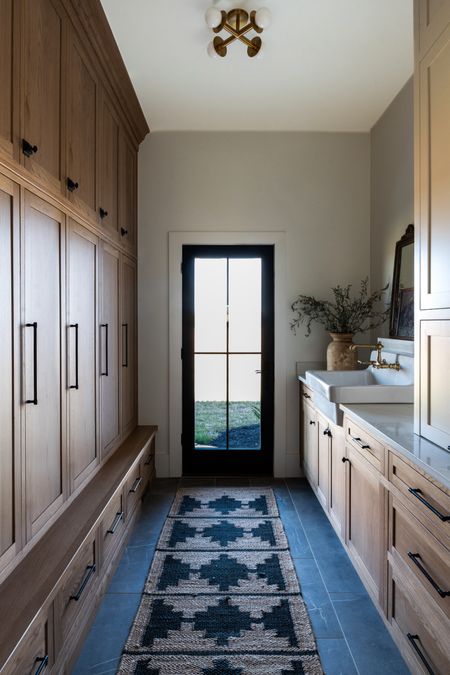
(328, 65)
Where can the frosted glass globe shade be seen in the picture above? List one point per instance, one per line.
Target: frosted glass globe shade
(211, 51)
(263, 17)
(213, 17)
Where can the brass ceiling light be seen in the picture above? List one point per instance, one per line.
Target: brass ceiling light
(236, 22)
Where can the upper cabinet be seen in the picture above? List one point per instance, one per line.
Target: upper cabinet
(432, 16)
(108, 166)
(43, 27)
(6, 76)
(127, 192)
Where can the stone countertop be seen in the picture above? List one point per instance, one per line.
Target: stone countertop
(393, 423)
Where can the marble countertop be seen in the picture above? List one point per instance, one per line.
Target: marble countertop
(393, 423)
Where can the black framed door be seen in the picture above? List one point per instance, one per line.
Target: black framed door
(228, 359)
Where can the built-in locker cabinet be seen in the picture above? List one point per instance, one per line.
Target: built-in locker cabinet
(435, 381)
(128, 344)
(43, 238)
(43, 28)
(9, 456)
(127, 192)
(6, 76)
(433, 16)
(82, 106)
(108, 166)
(109, 349)
(81, 332)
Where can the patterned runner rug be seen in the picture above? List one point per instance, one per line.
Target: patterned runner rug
(222, 596)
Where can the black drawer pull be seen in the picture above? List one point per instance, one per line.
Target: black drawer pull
(305, 395)
(415, 557)
(125, 348)
(418, 494)
(71, 185)
(413, 640)
(76, 385)
(312, 422)
(34, 400)
(43, 663)
(327, 432)
(345, 459)
(359, 442)
(102, 213)
(115, 524)
(148, 461)
(123, 232)
(90, 570)
(28, 149)
(106, 371)
(136, 484)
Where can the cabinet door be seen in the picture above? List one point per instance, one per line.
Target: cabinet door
(127, 192)
(434, 120)
(82, 104)
(365, 499)
(128, 344)
(323, 456)
(433, 16)
(310, 444)
(109, 350)
(43, 28)
(43, 244)
(82, 353)
(435, 382)
(337, 480)
(9, 288)
(108, 166)
(6, 76)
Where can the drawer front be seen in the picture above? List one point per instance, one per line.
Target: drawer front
(362, 441)
(428, 503)
(134, 487)
(427, 559)
(77, 586)
(423, 635)
(307, 394)
(112, 525)
(34, 654)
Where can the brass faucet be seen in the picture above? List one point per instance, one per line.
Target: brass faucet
(379, 362)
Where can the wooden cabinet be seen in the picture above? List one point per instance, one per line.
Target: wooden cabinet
(82, 370)
(43, 27)
(35, 653)
(310, 444)
(9, 437)
(128, 344)
(7, 27)
(109, 349)
(43, 353)
(127, 192)
(109, 166)
(323, 460)
(336, 500)
(435, 381)
(432, 17)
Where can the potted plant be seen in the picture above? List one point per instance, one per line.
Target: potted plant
(342, 318)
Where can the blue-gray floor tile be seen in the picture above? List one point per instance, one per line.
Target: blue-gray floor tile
(373, 649)
(320, 609)
(335, 656)
(298, 543)
(132, 571)
(192, 481)
(232, 481)
(338, 573)
(164, 485)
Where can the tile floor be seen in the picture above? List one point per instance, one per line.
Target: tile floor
(351, 636)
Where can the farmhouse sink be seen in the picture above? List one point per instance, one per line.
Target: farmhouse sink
(361, 386)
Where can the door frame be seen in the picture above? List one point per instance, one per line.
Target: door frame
(176, 242)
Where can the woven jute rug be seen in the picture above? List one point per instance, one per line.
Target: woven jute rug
(222, 596)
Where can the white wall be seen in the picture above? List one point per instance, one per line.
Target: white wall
(315, 187)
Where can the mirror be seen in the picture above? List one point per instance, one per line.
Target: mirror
(402, 303)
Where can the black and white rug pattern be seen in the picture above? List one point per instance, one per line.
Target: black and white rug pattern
(222, 596)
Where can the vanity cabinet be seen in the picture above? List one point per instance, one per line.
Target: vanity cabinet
(323, 460)
(310, 439)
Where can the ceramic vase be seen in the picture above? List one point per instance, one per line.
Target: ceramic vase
(339, 356)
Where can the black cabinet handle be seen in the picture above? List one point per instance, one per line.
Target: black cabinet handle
(305, 395)
(418, 494)
(43, 663)
(327, 432)
(71, 185)
(312, 422)
(106, 371)
(28, 149)
(413, 640)
(136, 484)
(125, 365)
(415, 557)
(117, 519)
(345, 459)
(103, 213)
(90, 570)
(34, 400)
(76, 385)
(123, 232)
(359, 442)
(148, 461)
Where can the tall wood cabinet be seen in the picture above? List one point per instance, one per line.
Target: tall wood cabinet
(129, 343)
(7, 63)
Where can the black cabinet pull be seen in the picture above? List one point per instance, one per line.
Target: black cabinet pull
(103, 213)
(28, 149)
(123, 232)
(34, 400)
(359, 442)
(413, 640)
(327, 432)
(305, 395)
(136, 484)
(43, 663)
(415, 557)
(106, 371)
(90, 570)
(125, 365)
(148, 461)
(115, 524)
(71, 185)
(345, 459)
(76, 385)
(418, 494)
(312, 422)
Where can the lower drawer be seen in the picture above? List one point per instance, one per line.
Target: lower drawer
(134, 487)
(422, 632)
(112, 525)
(34, 655)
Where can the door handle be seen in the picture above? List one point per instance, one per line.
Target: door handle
(258, 372)
(34, 326)
(28, 148)
(125, 365)
(76, 385)
(106, 371)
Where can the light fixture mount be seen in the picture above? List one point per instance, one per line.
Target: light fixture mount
(237, 22)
